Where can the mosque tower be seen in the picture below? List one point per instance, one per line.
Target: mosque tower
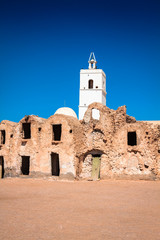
(92, 86)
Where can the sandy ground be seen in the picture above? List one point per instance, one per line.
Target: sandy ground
(46, 209)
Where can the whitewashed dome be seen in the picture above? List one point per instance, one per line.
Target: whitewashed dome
(66, 111)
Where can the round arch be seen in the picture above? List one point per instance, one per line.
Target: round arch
(89, 165)
(90, 84)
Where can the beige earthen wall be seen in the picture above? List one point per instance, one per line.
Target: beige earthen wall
(80, 140)
(40, 146)
(65, 147)
(118, 159)
(6, 150)
(27, 147)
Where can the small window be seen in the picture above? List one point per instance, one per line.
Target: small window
(57, 129)
(23, 143)
(132, 138)
(26, 130)
(90, 84)
(3, 136)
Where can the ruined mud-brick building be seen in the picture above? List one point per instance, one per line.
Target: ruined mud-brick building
(104, 144)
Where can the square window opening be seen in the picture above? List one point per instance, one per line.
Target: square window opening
(132, 138)
(26, 130)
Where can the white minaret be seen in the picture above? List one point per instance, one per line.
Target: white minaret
(92, 86)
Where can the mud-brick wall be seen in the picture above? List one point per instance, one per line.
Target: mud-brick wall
(6, 145)
(119, 158)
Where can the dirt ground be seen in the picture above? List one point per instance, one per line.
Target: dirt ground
(45, 209)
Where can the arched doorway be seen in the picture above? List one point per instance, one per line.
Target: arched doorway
(90, 165)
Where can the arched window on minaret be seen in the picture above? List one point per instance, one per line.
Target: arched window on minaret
(90, 84)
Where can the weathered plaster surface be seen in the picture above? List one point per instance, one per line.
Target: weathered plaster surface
(80, 140)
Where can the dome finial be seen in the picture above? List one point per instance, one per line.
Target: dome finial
(92, 61)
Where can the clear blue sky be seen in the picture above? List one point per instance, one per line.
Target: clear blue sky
(44, 44)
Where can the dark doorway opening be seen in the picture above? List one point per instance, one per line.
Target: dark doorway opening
(132, 138)
(26, 130)
(1, 167)
(90, 84)
(55, 171)
(57, 129)
(25, 165)
(3, 136)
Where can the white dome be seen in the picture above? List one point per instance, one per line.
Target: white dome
(66, 111)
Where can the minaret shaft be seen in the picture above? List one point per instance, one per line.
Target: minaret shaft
(92, 86)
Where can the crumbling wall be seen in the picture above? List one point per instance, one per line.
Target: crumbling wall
(120, 160)
(38, 144)
(66, 147)
(6, 147)
(128, 149)
(26, 146)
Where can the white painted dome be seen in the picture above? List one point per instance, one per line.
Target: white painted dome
(66, 111)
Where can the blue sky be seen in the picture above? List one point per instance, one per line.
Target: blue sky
(44, 44)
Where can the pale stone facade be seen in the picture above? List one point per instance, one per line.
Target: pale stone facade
(114, 145)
